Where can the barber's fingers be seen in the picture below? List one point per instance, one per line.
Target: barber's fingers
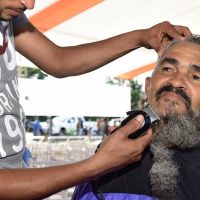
(173, 33)
(169, 33)
(177, 32)
(183, 30)
(132, 126)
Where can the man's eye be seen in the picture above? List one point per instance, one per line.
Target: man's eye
(166, 69)
(195, 77)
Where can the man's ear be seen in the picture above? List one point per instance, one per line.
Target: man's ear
(147, 86)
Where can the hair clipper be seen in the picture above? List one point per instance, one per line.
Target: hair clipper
(150, 119)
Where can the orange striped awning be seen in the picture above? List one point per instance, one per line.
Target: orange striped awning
(59, 12)
(133, 73)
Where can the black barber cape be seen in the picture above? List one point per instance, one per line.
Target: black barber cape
(189, 180)
(134, 179)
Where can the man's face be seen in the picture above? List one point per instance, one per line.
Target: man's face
(173, 91)
(175, 84)
(13, 8)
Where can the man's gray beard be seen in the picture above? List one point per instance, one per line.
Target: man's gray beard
(182, 132)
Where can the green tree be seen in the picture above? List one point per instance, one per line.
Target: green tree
(136, 94)
(28, 72)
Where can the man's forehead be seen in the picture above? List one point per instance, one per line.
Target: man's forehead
(183, 50)
(182, 46)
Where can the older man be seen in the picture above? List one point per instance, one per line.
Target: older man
(169, 169)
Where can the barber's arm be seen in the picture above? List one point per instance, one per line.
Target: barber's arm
(68, 61)
(37, 183)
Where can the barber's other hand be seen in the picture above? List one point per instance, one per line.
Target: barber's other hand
(160, 35)
(117, 150)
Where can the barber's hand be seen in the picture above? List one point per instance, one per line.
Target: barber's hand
(117, 150)
(160, 35)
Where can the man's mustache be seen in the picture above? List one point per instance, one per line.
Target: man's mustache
(176, 90)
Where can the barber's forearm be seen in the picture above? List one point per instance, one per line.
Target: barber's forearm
(35, 184)
(74, 60)
(88, 57)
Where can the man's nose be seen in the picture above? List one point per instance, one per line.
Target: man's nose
(179, 81)
(29, 4)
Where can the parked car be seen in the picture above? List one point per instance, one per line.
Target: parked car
(62, 125)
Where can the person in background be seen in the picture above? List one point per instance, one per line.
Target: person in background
(169, 169)
(80, 127)
(17, 33)
(49, 126)
(102, 126)
(37, 129)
